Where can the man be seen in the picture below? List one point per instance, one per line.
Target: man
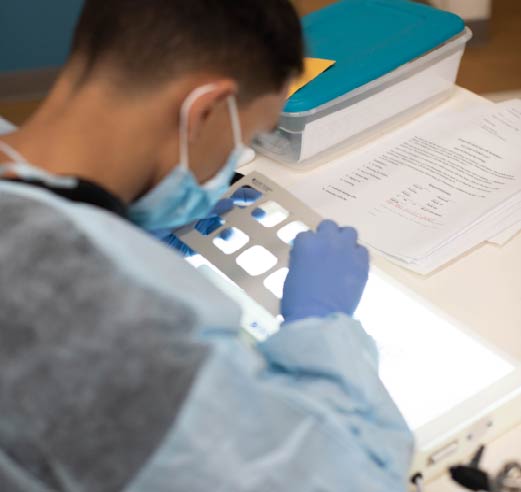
(121, 367)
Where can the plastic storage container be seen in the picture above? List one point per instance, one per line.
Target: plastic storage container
(393, 58)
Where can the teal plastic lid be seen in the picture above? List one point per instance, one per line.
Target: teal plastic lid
(368, 39)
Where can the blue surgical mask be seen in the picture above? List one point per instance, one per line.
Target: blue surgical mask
(179, 199)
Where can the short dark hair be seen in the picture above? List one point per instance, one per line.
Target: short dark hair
(257, 42)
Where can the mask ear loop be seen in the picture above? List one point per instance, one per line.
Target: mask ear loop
(23, 169)
(12, 153)
(235, 120)
(183, 122)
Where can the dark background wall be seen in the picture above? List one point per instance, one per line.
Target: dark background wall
(35, 34)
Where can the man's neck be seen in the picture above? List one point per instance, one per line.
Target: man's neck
(90, 136)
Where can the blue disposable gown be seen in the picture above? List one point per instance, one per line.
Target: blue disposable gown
(121, 368)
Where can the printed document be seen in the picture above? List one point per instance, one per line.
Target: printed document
(428, 185)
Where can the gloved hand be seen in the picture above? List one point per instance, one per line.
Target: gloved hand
(242, 197)
(328, 272)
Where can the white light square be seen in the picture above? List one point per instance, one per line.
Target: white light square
(289, 232)
(257, 260)
(274, 214)
(275, 282)
(236, 240)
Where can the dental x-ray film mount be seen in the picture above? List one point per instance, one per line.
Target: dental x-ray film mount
(252, 244)
(454, 389)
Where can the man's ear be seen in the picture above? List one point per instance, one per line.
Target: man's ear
(205, 106)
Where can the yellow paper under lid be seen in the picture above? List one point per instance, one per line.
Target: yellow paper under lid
(313, 67)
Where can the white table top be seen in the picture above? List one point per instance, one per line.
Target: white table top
(481, 290)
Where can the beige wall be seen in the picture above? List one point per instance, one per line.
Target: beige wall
(468, 9)
(306, 6)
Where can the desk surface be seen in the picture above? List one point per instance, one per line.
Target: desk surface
(481, 290)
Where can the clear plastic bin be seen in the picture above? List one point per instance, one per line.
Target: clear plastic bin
(302, 139)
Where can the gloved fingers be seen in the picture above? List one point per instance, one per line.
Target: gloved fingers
(245, 196)
(161, 234)
(258, 213)
(208, 226)
(223, 206)
(302, 240)
(327, 227)
(227, 234)
(349, 234)
(363, 257)
(175, 243)
(186, 251)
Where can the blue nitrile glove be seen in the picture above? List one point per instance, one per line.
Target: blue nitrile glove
(328, 271)
(246, 196)
(242, 197)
